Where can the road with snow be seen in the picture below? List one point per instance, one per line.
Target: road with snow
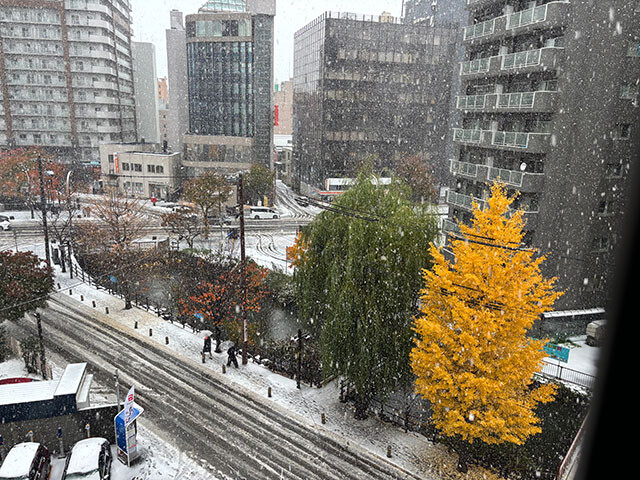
(241, 434)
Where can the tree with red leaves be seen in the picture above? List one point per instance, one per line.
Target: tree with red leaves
(25, 284)
(219, 302)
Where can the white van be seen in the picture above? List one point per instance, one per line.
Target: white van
(5, 223)
(263, 212)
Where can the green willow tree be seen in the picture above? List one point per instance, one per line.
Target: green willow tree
(356, 280)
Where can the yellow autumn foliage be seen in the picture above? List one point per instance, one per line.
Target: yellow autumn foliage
(472, 358)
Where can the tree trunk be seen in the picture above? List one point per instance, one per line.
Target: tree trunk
(463, 457)
(362, 405)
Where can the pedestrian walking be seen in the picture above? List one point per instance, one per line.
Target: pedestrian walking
(207, 346)
(231, 352)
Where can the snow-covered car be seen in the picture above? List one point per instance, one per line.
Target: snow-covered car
(26, 461)
(5, 223)
(90, 459)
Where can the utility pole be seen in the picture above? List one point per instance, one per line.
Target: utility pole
(43, 363)
(243, 265)
(43, 207)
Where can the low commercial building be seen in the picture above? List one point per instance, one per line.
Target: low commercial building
(141, 170)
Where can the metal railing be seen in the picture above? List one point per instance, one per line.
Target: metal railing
(516, 100)
(512, 177)
(521, 59)
(527, 17)
(479, 29)
(479, 65)
(469, 135)
(470, 102)
(463, 168)
(510, 139)
(565, 374)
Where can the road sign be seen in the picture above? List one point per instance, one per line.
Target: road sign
(112, 279)
(557, 352)
(126, 440)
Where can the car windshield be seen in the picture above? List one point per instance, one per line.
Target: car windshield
(91, 475)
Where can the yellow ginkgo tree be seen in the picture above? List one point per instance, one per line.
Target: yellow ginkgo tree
(472, 358)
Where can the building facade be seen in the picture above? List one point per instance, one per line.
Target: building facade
(549, 107)
(178, 108)
(369, 89)
(229, 46)
(141, 170)
(66, 76)
(283, 108)
(146, 88)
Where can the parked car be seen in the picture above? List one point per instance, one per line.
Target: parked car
(263, 212)
(26, 461)
(5, 223)
(215, 220)
(90, 459)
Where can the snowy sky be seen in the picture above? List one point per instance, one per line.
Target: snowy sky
(151, 18)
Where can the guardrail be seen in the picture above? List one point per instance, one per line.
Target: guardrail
(559, 372)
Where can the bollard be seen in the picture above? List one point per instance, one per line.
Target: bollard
(70, 292)
(322, 418)
(166, 340)
(269, 392)
(106, 310)
(135, 325)
(389, 451)
(203, 357)
(151, 332)
(93, 303)
(82, 298)
(30, 435)
(61, 443)
(59, 288)
(224, 368)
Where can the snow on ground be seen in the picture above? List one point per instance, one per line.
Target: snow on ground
(159, 460)
(409, 450)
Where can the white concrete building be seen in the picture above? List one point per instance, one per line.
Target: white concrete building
(66, 76)
(146, 87)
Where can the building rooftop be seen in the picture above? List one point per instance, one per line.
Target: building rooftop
(224, 6)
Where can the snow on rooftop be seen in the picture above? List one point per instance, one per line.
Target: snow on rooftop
(71, 379)
(27, 392)
(16, 465)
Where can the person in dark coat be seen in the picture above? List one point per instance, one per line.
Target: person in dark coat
(207, 346)
(231, 352)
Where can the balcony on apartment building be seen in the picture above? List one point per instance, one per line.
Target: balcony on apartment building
(467, 202)
(522, 180)
(550, 15)
(540, 101)
(528, 61)
(531, 142)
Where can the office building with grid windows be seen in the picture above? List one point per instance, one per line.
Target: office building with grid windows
(369, 89)
(229, 47)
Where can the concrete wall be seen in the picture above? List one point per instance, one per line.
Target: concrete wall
(45, 430)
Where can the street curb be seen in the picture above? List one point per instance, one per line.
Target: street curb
(302, 421)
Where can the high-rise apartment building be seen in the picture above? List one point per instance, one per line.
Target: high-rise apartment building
(369, 88)
(146, 88)
(549, 102)
(178, 108)
(230, 78)
(66, 76)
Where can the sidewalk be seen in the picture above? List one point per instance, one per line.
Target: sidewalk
(410, 451)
